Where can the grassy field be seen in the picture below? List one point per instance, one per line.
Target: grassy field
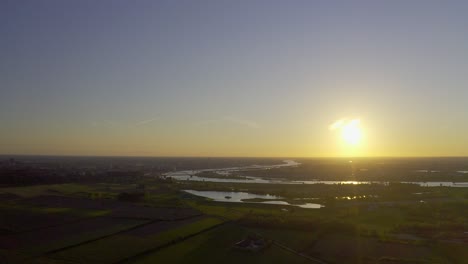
(103, 251)
(216, 246)
(44, 240)
(354, 232)
(295, 239)
(31, 191)
(405, 224)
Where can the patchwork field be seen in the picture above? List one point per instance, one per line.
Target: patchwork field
(130, 244)
(216, 246)
(71, 223)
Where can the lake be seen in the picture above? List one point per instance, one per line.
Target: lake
(238, 197)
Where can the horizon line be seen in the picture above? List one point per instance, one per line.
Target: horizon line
(245, 157)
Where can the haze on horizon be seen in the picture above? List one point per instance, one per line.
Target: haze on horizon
(234, 78)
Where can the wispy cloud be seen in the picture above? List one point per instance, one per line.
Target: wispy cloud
(243, 122)
(147, 121)
(108, 123)
(103, 123)
(337, 124)
(208, 121)
(233, 120)
(340, 123)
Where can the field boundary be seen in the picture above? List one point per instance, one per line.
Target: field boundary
(117, 233)
(316, 260)
(171, 243)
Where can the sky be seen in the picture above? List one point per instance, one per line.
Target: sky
(233, 78)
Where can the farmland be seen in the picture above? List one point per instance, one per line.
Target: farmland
(152, 220)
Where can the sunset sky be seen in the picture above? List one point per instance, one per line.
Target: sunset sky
(234, 78)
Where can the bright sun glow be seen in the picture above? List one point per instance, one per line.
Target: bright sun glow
(350, 130)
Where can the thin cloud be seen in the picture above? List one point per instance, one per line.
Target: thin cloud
(147, 121)
(233, 120)
(103, 123)
(208, 121)
(340, 123)
(243, 122)
(337, 124)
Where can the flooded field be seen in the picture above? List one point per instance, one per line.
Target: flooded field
(243, 197)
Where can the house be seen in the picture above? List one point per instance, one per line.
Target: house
(252, 243)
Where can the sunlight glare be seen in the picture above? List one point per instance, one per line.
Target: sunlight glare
(350, 130)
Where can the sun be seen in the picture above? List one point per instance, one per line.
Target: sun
(351, 132)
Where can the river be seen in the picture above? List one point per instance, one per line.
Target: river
(189, 175)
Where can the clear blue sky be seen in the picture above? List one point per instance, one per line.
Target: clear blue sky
(232, 78)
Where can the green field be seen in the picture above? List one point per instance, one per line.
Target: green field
(73, 223)
(102, 251)
(217, 246)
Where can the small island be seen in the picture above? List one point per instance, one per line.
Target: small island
(215, 175)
